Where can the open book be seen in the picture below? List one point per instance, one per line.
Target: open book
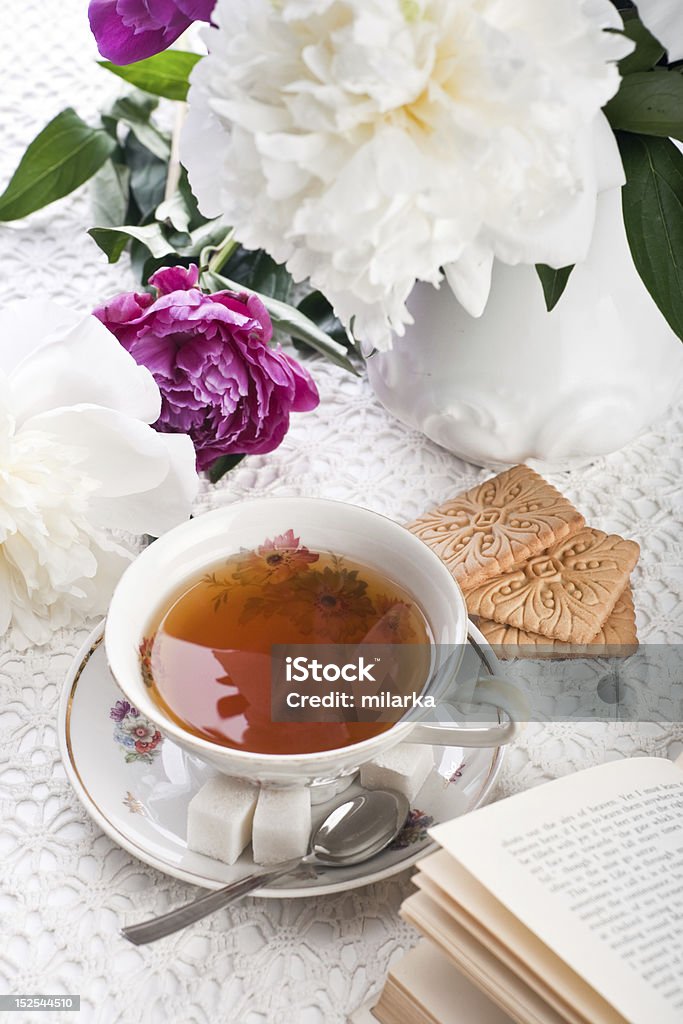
(564, 904)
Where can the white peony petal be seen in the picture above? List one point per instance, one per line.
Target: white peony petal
(112, 560)
(165, 506)
(122, 455)
(30, 324)
(5, 601)
(470, 278)
(60, 466)
(563, 237)
(201, 123)
(603, 13)
(449, 129)
(664, 19)
(84, 364)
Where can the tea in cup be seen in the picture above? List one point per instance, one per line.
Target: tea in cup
(193, 622)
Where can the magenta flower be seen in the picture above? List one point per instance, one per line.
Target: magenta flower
(219, 380)
(130, 30)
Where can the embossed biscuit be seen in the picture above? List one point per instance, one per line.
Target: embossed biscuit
(486, 530)
(618, 637)
(567, 593)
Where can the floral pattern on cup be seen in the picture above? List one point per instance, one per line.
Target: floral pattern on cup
(145, 654)
(275, 561)
(335, 595)
(139, 737)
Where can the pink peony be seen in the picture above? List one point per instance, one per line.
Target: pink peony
(219, 380)
(130, 30)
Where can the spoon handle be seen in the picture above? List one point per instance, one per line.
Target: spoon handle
(174, 920)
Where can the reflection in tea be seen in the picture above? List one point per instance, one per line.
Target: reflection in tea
(207, 656)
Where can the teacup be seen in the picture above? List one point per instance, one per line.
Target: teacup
(322, 525)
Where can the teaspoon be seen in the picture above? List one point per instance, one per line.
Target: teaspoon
(351, 833)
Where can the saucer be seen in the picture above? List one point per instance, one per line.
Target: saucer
(136, 784)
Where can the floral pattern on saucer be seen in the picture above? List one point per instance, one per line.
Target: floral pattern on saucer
(139, 737)
(414, 830)
(455, 773)
(134, 805)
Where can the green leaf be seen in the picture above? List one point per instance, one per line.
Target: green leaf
(135, 111)
(648, 50)
(554, 283)
(259, 271)
(652, 201)
(649, 103)
(110, 125)
(196, 218)
(134, 105)
(147, 177)
(182, 211)
(113, 241)
(186, 249)
(316, 307)
(165, 74)
(223, 465)
(211, 233)
(173, 211)
(65, 154)
(139, 259)
(290, 320)
(110, 194)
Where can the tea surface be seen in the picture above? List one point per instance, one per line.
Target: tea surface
(207, 658)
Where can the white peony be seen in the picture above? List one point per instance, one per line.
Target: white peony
(77, 457)
(369, 143)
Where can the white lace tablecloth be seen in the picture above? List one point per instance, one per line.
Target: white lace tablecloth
(66, 888)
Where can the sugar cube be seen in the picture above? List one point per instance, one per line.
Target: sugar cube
(403, 768)
(219, 818)
(282, 825)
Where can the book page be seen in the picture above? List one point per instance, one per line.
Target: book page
(477, 962)
(473, 908)
(593, 864)
(425, 977)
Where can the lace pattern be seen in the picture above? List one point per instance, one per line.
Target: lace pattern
(66, 888)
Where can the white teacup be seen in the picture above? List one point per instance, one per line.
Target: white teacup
(323, 525)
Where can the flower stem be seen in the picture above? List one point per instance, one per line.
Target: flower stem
(173, 175)
(223, 254)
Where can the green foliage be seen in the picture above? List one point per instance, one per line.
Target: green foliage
(110, 193)
(652, 201)
(65, 154)
(316, 307)
(165, 74)
(223, 465)
(148, 174)
(260, 272)
(135, 111)
(289, 320)
(649, 103)
(554, 283)
(113, 240)
(648, 52)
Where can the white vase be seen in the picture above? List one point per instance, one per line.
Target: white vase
(520, 384)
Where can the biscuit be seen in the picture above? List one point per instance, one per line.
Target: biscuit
(617, 638)
(567, 593)
(485, 531)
